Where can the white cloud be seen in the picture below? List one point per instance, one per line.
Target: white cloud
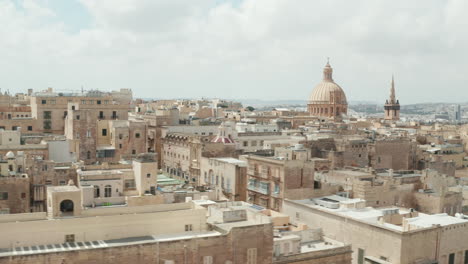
(250, 49)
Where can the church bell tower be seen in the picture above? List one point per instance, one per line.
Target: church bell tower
(392, 105)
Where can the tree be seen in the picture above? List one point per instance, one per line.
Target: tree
(250, 108)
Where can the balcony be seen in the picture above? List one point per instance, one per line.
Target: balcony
(101, 117)
(115, 117)
(260, 188)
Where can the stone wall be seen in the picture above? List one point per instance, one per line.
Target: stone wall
(18, 194)
(230, 248)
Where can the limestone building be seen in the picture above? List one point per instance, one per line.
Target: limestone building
(272, 179)
(392, 105)
(385, 235)
(233, 233)
(328, 98)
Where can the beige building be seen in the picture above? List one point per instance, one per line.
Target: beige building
(227, 176)
(165, 233)
(272, 179)
(386, 235)
(51, 109)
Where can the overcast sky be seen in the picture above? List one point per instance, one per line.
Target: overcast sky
(247, 49)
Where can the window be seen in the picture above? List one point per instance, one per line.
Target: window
(62, 182)
(70, 238)
(88, 133)
(23, 195)
(48, 182)
(466, 257)
(120, 146)
(98, 101)
(245, 143)
(360, 256)
(65, 113)
(29, 128)
(78, 117)
(277, 188)
(47, 114)
(3, 196)
(44, 102)
(317, 185)
(133, 151)
(120, 136)
(148, 175)
(207, 260)
(252, 256)
(83, 101)
(137, 135)
(451, 258)
(107, 191)
(101, 114)
(104, 132)
(97, 191)
(88, 155)
(188, 227)
(129, 184)
(114, 114)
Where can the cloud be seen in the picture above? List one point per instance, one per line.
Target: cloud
(266, 49)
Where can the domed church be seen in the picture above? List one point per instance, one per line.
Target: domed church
(327, 98)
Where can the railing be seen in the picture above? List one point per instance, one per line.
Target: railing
(258, 189)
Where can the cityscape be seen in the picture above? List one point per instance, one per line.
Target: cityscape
(331, 169)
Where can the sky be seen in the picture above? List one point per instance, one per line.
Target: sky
(237, 49)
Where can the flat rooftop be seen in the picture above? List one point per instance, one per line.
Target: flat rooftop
(234, 161)
(54, 248)
(371, 215)
(66, 188)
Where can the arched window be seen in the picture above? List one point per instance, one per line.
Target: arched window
(96, 191)
(108, 191)
(66, 206)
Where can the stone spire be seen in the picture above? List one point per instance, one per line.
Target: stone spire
(392, 105)
(328, 72)
(392, 92)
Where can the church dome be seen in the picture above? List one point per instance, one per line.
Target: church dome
(327, 91)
